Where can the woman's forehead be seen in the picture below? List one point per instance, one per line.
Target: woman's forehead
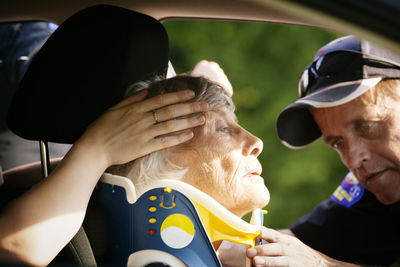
(223, 112)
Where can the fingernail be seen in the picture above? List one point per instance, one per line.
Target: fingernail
(189, 93)
(188, 135)
(251, 252)
(259, 260)
(201, 118)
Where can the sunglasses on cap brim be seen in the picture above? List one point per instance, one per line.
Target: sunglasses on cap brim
(335, 67)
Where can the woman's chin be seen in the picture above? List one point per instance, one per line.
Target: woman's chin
(257, 200)
(259, 196)
(266, 197)
(262, 201)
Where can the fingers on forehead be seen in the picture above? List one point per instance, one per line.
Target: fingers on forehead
(178, 110)
(131, 99)
(173, 127)
(169, 141)
(166, 99)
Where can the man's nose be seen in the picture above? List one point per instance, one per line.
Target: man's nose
(357, 153)
(252, 145)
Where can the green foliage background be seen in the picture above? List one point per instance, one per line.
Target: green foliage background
(263, 62)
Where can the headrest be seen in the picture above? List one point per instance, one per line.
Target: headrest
(83, 69)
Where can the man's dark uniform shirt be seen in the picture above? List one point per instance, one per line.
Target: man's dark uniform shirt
(353, 226)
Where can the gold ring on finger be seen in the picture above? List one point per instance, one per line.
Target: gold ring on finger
(155, 116)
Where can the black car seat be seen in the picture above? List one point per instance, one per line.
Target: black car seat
(19, 43)
(83, 69)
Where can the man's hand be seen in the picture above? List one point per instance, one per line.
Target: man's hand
(287, 250)
(212, 71)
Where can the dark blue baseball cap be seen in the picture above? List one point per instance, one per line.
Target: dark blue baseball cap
(341, 71)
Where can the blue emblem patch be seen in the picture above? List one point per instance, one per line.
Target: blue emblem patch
(348, 192)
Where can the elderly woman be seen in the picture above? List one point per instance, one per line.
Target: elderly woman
(221, 158)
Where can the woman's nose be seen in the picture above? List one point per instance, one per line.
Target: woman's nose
(252, 145)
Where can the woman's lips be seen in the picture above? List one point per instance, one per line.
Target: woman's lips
(253, 173)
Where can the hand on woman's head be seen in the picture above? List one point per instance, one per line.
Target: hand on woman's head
(127, 131)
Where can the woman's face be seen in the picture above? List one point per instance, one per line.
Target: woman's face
(222, 161)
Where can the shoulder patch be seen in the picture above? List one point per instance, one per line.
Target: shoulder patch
(348, 192)
(52, 26)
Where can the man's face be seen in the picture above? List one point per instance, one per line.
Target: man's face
(366, 134)
(222, 161)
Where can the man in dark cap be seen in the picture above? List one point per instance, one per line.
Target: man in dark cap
(349, 95)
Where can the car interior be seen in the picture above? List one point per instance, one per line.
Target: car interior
(40, 113)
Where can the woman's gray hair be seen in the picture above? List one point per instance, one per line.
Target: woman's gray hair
(157, 165)
(205, 90)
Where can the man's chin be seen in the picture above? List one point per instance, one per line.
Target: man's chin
(387, 200)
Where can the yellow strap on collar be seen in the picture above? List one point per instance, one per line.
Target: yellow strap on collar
(218, 229)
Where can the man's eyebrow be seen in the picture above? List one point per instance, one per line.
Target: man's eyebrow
(351, 124)
(328, 139)
(356, 123)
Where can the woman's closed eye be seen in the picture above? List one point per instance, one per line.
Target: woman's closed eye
(223, 127)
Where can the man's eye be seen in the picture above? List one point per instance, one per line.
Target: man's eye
(371, 129)
(337, 143)
(366, 126)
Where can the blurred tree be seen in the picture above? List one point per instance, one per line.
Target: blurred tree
(264, 61)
